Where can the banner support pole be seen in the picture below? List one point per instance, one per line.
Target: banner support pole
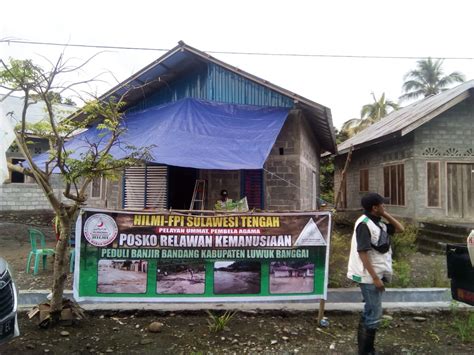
(322, 303)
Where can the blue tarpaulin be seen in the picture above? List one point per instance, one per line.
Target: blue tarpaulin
(194, 133)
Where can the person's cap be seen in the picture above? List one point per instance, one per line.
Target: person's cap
(372, 199)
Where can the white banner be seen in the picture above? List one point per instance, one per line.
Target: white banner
(7, 136)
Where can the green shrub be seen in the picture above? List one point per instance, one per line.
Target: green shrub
(403, 244)
(401, 274)
(438, 276)
(338, 258)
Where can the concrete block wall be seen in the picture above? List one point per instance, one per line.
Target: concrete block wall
(27, 196)
(218, 180)
(309, 167)
(111, 196)
(446, 138)
(374, 158)
(282, 175)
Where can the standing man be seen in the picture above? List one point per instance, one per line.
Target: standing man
(370, 264)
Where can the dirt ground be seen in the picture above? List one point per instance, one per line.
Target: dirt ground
(15, 247)
(284, 333)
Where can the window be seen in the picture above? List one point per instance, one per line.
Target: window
(394, 184)
(17, 177)
(432, 175)
(364, 180)
(97, 185)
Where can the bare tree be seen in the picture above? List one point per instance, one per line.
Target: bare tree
(77, 172)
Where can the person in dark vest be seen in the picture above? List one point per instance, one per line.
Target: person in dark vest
(370, 264)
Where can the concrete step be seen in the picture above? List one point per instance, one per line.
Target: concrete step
(428, 245)
(339, 298)
(455, 229)
(446, 237)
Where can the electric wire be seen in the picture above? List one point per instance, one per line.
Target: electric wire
(274, 54)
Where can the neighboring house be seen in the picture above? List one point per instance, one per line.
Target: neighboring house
(20, 192)
(421, 157)
(283, 271)
(306, 270)
(289, 179)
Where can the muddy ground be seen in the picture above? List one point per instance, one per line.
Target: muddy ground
(247, 333)
(15, 247)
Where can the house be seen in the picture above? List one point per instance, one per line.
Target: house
(20, 192)
(215, 122)
(283, 271)
(306, 270)
(421, 157)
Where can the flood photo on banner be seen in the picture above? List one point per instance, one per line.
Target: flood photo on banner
(291, 277)
(237, 277)
(122, 276)
(176, 277)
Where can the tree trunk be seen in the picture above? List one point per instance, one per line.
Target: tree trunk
(60, 266)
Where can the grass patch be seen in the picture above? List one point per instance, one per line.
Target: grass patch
(219, 323)
(463, 323)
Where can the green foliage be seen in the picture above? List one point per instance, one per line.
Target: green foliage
(21, 74)
(218, 323)
(385, 323)
(338, 259)
(378, 109)
(369, 114)
(428, 79)
(326, 179)
(403, 247)
(401, 274)
(463, 323)
(437, 276)
(403, 244)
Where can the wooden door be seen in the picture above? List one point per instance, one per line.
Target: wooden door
(252, 188)
(460, 190)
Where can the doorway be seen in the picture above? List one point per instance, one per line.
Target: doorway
(181, 187)
(460, 190)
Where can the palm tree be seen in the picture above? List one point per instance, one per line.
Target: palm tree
(428, 79)
(369, 114)
(351, 127)
(379, 108)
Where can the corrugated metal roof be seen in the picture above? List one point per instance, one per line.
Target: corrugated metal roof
(183, 58)
(406, 119)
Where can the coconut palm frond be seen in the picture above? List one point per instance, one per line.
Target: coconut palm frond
(427, 79)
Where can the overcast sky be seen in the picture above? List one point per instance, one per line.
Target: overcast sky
(373, 28)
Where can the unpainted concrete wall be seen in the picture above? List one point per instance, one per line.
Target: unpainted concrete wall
(447, 138)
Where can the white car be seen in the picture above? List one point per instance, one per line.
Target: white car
(8, 304)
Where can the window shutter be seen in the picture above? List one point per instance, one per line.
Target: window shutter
(157, 187)
(146, 187)
(134, 188)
